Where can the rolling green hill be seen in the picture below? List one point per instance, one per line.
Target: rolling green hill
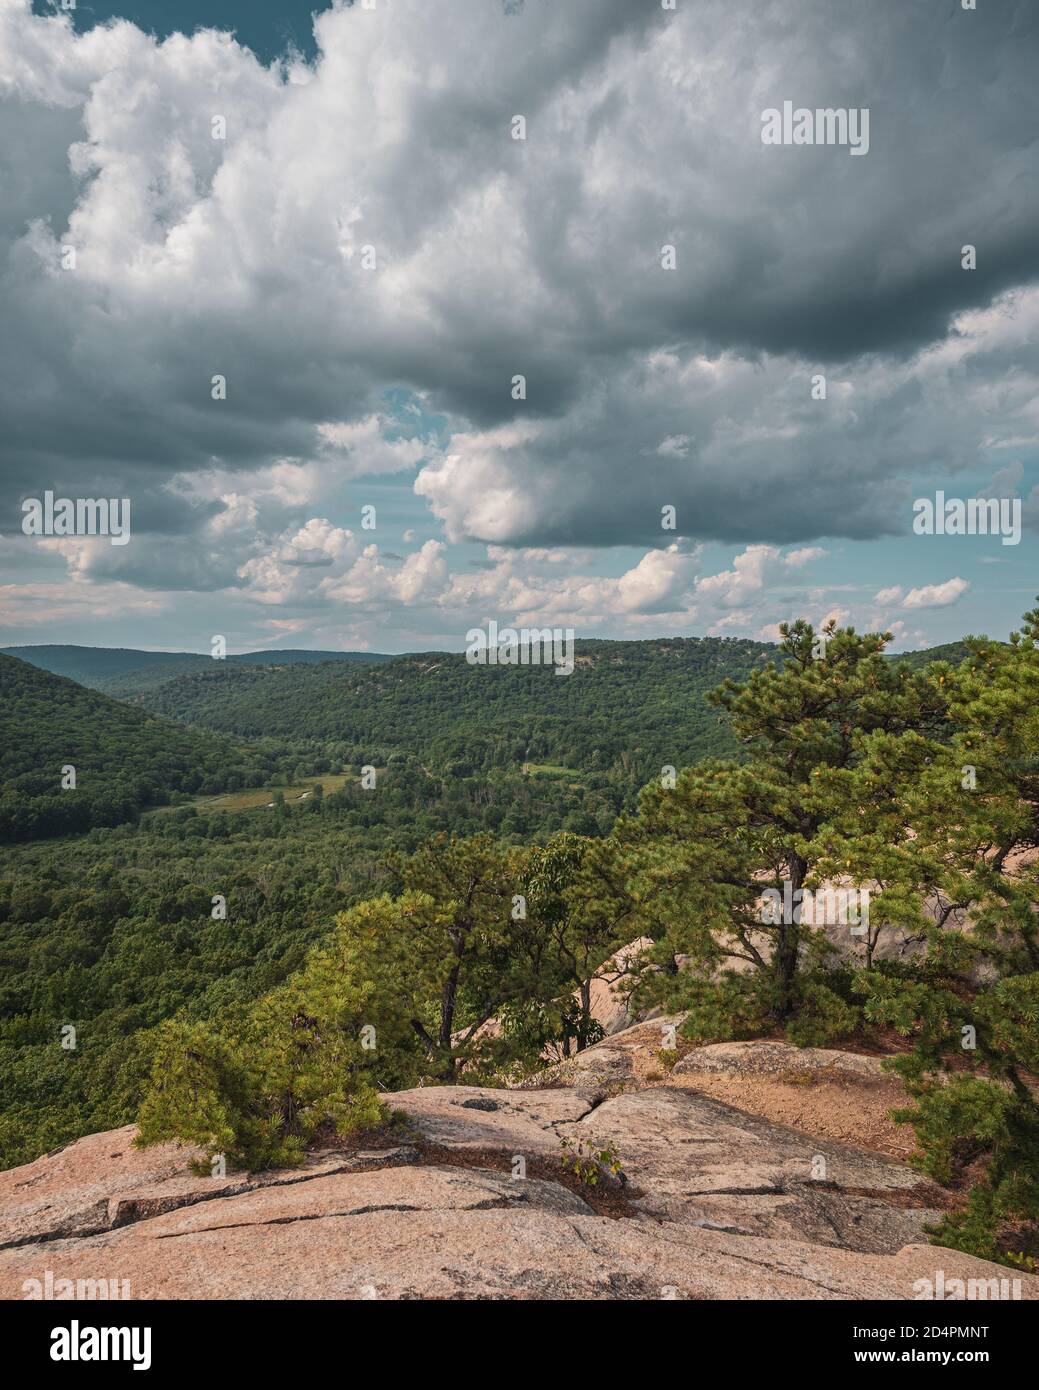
(124, 758)
(112, 930)
(952, 652)
(638, 704)
(124, 670)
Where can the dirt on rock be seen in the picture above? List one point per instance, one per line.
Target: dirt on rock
(849, 1109)
(837, 1095)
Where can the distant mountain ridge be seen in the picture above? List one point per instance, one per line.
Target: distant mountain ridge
(126, 670)
(129, 670)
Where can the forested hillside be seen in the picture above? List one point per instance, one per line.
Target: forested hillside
(122, 758)
(952, 652)
(638, 704)
(112, 933)
(628, 709)
(631, 705)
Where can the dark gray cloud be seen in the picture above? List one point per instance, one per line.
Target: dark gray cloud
(498, 257)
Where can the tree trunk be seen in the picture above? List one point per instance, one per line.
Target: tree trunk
(786, 946)
(586, 1014)
(448, 1001)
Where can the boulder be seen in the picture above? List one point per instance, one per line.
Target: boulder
(627, 1058)
(769, 1057)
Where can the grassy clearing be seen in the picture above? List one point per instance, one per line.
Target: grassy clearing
(251, 797)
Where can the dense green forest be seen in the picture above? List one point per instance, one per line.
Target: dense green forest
(952, 652)
(638, 703)
(112, 931)
(114, 760)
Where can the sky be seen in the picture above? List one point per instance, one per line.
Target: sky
(405, 316)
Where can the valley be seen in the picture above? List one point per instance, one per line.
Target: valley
(241, 785)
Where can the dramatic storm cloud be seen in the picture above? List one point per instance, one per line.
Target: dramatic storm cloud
(360, 248)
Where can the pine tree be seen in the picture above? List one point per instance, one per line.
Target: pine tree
(576, 922)
(966, 812)
(700, 854)
(445, 955)
(263, 1087)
